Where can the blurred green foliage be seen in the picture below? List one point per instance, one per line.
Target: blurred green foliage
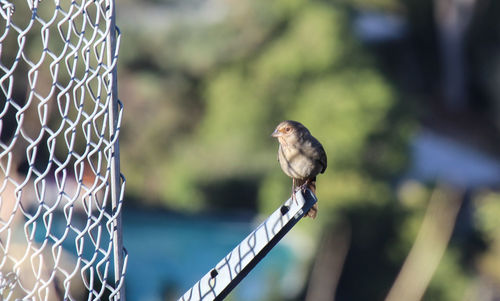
(212, 93)
(260, 65)
(204, 96)
(486, 217)
(203, 91)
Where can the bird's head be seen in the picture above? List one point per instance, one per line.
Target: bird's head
(289, 130)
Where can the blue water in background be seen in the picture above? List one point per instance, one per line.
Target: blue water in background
(168, 253)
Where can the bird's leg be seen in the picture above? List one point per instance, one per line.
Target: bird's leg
(304, 186)
(294, 198)
(309, 184)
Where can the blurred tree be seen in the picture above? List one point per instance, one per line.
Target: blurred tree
(310, 69)
(205, 83)
(211, 85)
(261, 63)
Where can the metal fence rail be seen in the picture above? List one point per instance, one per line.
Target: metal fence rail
(61, 190)
(225, 276)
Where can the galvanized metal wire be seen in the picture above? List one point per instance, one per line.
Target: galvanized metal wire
(61, 190)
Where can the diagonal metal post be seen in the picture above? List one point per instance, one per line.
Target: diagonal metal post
(226, 275)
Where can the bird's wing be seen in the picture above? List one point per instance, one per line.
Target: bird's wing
(321, 154)
(322, 159)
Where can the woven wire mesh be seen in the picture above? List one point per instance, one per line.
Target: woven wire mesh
(61, 190)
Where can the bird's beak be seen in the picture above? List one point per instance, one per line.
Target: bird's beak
(276, 133)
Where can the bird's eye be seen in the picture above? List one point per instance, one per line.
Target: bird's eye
(288, 129)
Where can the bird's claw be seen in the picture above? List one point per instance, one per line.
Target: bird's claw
(294, 198)
(303, 187)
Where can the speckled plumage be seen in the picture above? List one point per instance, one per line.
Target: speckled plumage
(301, 156)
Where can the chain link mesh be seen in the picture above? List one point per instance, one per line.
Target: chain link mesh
(60, 187)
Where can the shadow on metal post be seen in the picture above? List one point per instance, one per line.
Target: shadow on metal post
(225, 276)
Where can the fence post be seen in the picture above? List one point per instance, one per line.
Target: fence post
(226, 274)
(116, 178)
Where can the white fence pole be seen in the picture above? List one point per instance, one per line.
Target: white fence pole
(224, 277)
(61, 190)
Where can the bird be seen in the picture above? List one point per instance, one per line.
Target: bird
(301, 157)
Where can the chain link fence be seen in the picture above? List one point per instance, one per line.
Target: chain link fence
(61, 190)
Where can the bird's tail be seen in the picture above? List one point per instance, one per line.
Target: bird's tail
(313, 211)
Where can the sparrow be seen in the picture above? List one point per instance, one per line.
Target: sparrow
(300, 156)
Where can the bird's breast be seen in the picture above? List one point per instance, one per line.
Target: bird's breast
(297, 163)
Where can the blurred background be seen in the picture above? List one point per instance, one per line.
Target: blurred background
(404, 95)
